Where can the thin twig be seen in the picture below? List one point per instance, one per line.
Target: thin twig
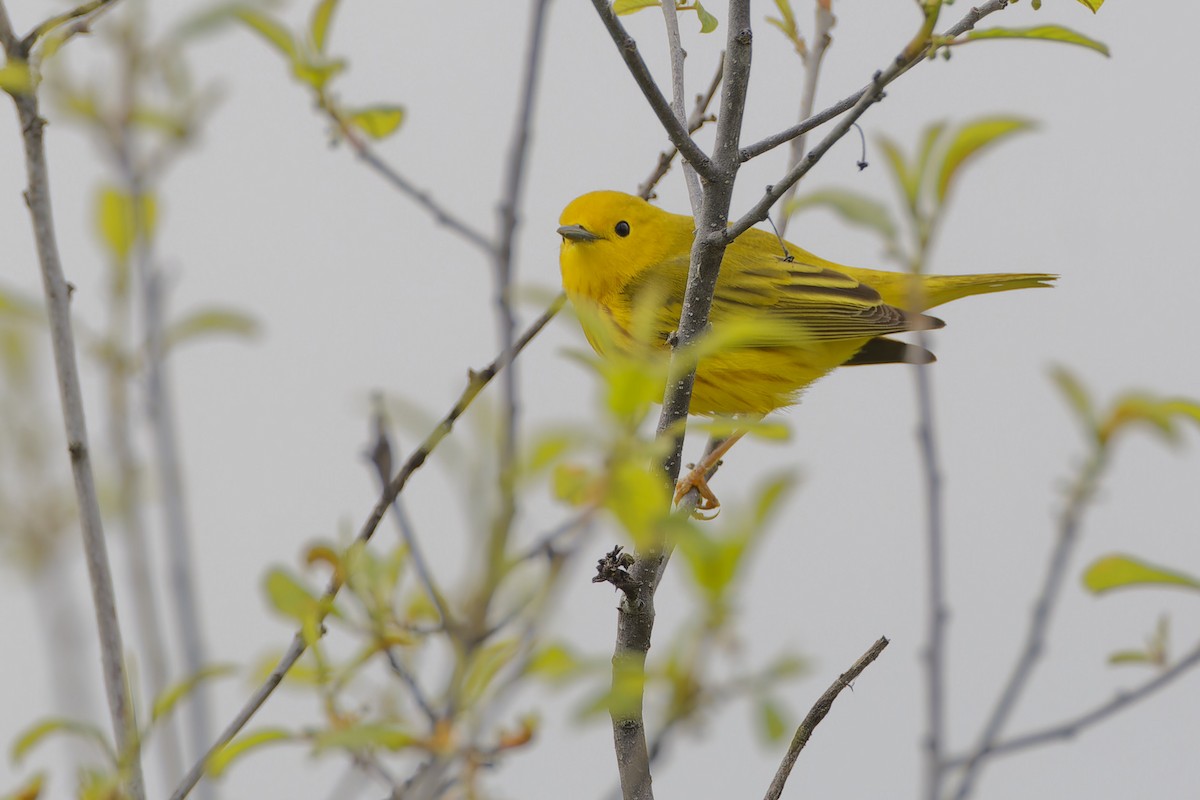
(968, 22)
(817, 713)
(94, 9)
(410, 680)
(628, 49)
(913, 54)
(695, 122)
(1075, 725)
(677, 54)
(814, 55)
(938, 613)
(503, 261)
(58, 310)
(1033, 648)
(477, 381)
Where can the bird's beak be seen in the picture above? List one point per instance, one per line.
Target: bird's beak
(577, 233)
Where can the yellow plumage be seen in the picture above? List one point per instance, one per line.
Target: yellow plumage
(621, 254)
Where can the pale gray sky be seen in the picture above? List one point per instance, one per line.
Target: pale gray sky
(357, 290)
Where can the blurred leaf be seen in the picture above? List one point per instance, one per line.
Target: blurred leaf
(786, 23)
(547, 450)
(289, 596)
(33, 736)
(246, 743)
(166, 122)
(316, 73)
(210, 322)
(638, 498)
(1094, 5)
(1076, 396)
(772, 722)
(378, 122)
(575, 485)
(486, 662)
(274, 33)
(16, 78)
(969, 141)
(622, 7)
(708, 23)
(372, 736)
(786, 666)
(97, 784)
(771, 430)
(555, 663)
(1129, 657)
(1121, 571)
(119, 224)
(631, 386)
(1158, 413)
(853, 207)
(169, 697)
(929, 142)
(321, 19)
(906, 179)
(30, 790)
(1049, 33)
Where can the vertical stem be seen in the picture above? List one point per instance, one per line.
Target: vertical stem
(675, 45)
(58, 310)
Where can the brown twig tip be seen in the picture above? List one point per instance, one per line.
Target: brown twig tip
(613, 568)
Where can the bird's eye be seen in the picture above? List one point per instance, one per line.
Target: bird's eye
(622, 228)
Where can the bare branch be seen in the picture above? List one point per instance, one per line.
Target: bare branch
(662, 109)
(823, 24)
(817, 713)
(695, 122)
(675, 46)
(1082, 490)
(475, 384)
(1074, 726)
(58, 311)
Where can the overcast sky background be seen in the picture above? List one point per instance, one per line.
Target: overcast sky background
(357, 290)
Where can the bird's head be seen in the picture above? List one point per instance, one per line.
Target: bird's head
(608, 238)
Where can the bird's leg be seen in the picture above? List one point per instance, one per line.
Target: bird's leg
(698, 478)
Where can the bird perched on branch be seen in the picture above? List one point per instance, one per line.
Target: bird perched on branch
(624, 266)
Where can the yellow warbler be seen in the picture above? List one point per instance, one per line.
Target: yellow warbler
(619, 253)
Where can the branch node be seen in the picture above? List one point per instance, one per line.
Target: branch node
(613, 568)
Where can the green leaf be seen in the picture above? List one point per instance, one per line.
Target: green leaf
(708, 23)
(771, 719)
(271, 31)
(907, 180)
(1093, 5)
(853, 207)
(120, 225)
(210, 322)
(30, 790)
(1122, 571)
(316, 73)
(1077, 397)
(378, 122)
(33, 736)
(555, 663)
(485, 664)
(370, 736)
(223, 758)
(622, 7)
(289, 596)
(170, 697)
(321, 19)
(972, 139)
(16, 78)
(1048, 33)
(638, 498)
(1129, 657)
(929, 141)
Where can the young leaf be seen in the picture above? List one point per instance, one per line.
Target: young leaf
(623, 7)
(16, 78)
(485, 664)
(210, 322)
(275, 34)
(1121, 571)
(771, 719)
(708, 23)
(906, 179)
(321, 19)
(554, 663)
(1047, 33)
(970, 140)
(853, 207)
(119, 223)
(371, 736)
(34, 735)
(378, 122)
(220, 760)
(288, 596)
(1077, 397)
(169, 697)
(1093, 5)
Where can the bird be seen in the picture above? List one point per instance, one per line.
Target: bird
(625, 261)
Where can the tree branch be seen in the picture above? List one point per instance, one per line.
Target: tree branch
(695, 122)
(675, 47)
(477, 381)
(628, 49)
(58, 311)
(1081, 492)
(1075, 725)
(817, 713)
